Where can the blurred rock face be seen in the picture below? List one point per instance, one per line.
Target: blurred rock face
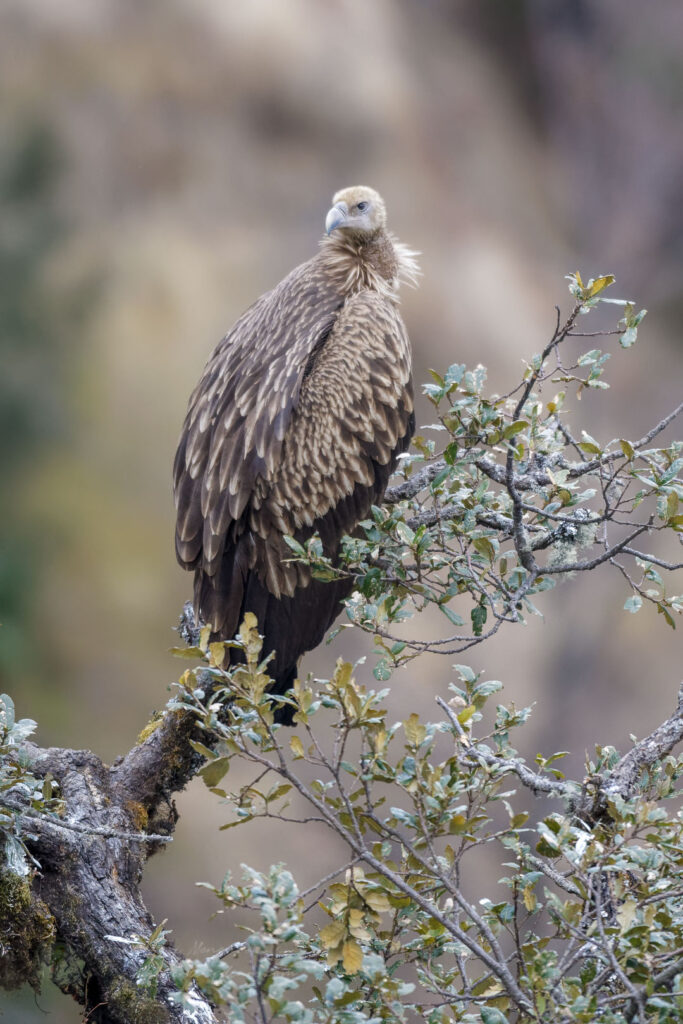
(199, 145)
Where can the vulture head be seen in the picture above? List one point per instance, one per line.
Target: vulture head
(358, 211)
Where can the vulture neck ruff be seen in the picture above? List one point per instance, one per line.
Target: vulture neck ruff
(379, 262)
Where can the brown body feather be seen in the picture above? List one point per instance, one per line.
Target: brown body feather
(294, 428)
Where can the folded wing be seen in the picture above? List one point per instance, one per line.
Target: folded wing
(294, 428)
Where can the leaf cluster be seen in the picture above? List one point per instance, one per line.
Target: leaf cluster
(21, 792)
(501, 500)
(586, 922)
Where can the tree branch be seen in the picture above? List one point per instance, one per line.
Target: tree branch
(92, 860)
(623, 779)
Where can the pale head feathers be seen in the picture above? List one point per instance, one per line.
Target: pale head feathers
(358, 246)
(358, 211)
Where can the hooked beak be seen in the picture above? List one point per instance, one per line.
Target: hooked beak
(336, 217)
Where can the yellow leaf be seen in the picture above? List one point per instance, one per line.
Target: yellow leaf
(332, 934)
(217, 653)
(204, 635)
(251, 640)
(188, 679)
(351, 701)
(529, 897)
(257, 685)
(339, 892)
(379, 742)
(600, 284)
(415, 732)
(296, 746)
(357, 926)
(343, 672)
(626, 914)
(466, 714)
(352, 957)
(457, 823)
(671, 504)
(250, 621)
(487, 987)
(378, 901)
(335, 954)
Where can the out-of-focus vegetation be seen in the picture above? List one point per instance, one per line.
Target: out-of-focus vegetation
(32, 408)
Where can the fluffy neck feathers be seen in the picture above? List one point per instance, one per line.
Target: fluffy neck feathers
(380, 262)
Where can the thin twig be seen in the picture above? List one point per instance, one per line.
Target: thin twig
(532, 780)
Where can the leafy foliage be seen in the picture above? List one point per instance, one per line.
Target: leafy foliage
(586, 922)
(504, 501)
(21, 793)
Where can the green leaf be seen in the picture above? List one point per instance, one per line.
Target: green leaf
(455, 373)
(488, 687)
(491, 1015)
(213, 772)
(382, 670)
(589, 445)
(484, 546)
(278, 791)
(467, 674)
(295, 546)
(405, 533)
(478, 616)
(322, 573)
(668, 618)
(633, 604)
(206, 752)
(629, 337)
(514, 428)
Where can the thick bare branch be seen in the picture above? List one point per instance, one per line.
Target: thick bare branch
(623, 779)
(91, 865)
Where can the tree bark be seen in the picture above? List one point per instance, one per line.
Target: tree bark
(91, 865)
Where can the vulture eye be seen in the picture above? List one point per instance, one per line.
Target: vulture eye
(363, 206)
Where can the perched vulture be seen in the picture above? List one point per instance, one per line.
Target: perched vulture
(293, 429)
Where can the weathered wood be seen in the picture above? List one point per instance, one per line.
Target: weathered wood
(92, 861)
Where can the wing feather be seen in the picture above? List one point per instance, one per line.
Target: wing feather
(239, 413)
(353, 413)
(293, 428)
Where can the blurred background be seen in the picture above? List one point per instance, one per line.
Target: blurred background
(161, 165)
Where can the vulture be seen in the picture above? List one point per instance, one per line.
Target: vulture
(294, 429)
